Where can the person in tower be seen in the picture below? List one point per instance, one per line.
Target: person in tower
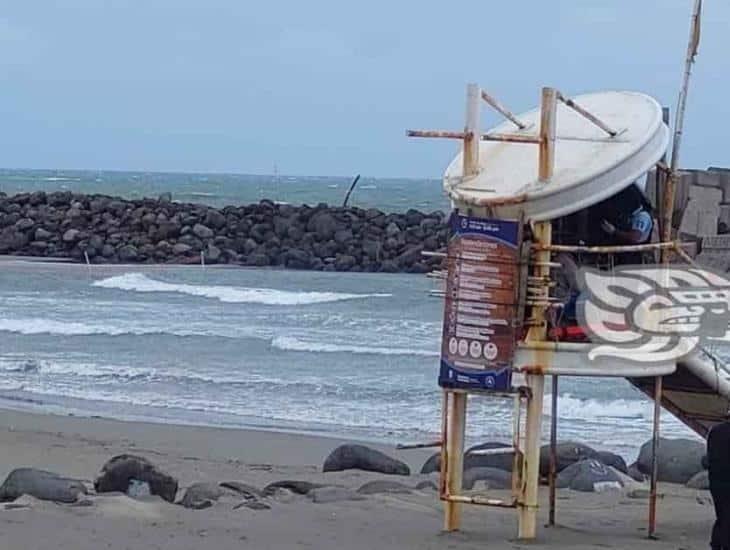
(627, 220)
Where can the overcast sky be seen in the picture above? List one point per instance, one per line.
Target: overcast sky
(326, 87)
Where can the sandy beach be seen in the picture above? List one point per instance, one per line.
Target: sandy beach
(78, 447)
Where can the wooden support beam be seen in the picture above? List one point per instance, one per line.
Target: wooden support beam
(506, 113)
(512, 138)
(468, 136)
(471, 129)
(444, 134)
(587, 115)
(654, 456)
(553, 449)
(542, 234)
(454, 459)
(546, 160)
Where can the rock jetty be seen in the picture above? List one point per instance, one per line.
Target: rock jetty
(114, 230)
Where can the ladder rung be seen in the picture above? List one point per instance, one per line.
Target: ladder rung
(481, 500)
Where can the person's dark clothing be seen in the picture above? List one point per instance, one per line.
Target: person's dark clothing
(718, 466)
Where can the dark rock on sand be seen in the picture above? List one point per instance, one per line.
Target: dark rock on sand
(613, 460)
(241, 488)
(40, 484)
(383, 486)
(502, 461)
(494, 477)
(201, 495)
(635, 473)
(298, 487)
(586, 475)
(360, 457)
(426, 485)
(677, 459)
(700, 480)
(117, 473)
(567, 453)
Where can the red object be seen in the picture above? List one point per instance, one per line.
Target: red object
(571, 333)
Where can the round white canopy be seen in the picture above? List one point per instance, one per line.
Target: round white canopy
(590, 165)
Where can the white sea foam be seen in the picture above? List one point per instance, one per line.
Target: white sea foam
(40, 325)
(574, 408)
(289, 343)
(139, 282)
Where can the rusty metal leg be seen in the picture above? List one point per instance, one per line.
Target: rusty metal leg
(654, 456)
(527, 528)
(553, 448)
(454, 459)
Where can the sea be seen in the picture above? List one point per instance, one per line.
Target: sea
(338, 354)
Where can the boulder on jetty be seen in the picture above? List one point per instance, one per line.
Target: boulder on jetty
(121, 470)
(42, 485)
(360, 457)
(112, 230)
(589, 475)
(677, 459)
(501, 461)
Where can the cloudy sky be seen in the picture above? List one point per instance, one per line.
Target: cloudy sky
(325, 87)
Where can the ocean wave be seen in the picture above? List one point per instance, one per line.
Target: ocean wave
(574, 408)
(289, 343)
(139, 282)
(40, 325)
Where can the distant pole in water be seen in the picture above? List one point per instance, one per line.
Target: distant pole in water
(88, 263)
(202, 259)
(352, 186)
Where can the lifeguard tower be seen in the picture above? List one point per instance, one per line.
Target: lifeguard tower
(507, 187)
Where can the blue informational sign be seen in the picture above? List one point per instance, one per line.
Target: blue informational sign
(480, 304)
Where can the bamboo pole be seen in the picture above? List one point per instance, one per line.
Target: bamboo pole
(671, 185)
(612, 249)
(542, 232)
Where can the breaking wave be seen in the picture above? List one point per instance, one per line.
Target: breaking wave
(138, 282)
(573, 408)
